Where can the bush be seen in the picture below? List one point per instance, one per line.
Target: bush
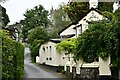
(35, 38)
(34, 47)
(12, 58)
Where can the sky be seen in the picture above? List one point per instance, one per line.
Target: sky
(16, 8)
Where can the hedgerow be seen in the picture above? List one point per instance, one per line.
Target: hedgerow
(12, 58)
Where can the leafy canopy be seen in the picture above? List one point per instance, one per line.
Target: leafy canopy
(4, 16)
(66, 45)
(35, 38)
(38, 34)
(36, 17)
(75, 10)
(59, 19)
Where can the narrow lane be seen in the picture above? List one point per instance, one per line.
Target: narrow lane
(34, 71)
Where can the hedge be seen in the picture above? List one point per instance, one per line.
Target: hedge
(12, 59)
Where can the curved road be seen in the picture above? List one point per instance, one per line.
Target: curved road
(34, 71)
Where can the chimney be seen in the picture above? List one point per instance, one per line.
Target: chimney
(93, 3)
(116, 5)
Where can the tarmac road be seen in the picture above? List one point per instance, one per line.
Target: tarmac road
(35, 71)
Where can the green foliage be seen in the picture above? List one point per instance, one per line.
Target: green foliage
(34, 47)
(12, 58)
(101, 39)
(66, 45)
(36, 17)
(39, 34)
(88, 43)
(4, 17)
(105, 6)
(59, 20)
(117, 13)
(35, 38)
(76, 9)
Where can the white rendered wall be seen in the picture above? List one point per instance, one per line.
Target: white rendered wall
(50, 52)
(68, 31)
(91, 16)
(104, 68)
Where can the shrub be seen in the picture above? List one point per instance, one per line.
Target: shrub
(12, 58)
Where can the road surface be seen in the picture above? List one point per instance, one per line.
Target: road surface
(34, 71)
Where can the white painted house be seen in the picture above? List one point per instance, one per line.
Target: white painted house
(49, 55)
(77, 28)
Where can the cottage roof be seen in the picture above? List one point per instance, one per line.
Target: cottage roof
(74, 23)
(56, 40)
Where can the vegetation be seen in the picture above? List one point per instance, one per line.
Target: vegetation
(101, 39)
(35, 38)
(76, 9)
(36, 17)
(67, 45)
(34, 28)
(59, 20)
(117, 13)
(5, 18)
(12, 58)
(105, 6)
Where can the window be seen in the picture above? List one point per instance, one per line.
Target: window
(46, 58)
(43, 48)
(50, 58)
(81, 29)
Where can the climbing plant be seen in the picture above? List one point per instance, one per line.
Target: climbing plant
(100, 40)
(66, 45)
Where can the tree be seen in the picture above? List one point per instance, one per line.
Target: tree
(77, 9)
(35, 38)
(105, 6)
(4, 18)
(36, 17)
(38, 34)
(59, 20)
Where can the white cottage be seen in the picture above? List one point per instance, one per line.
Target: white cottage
(49, 55)
(76, 28)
